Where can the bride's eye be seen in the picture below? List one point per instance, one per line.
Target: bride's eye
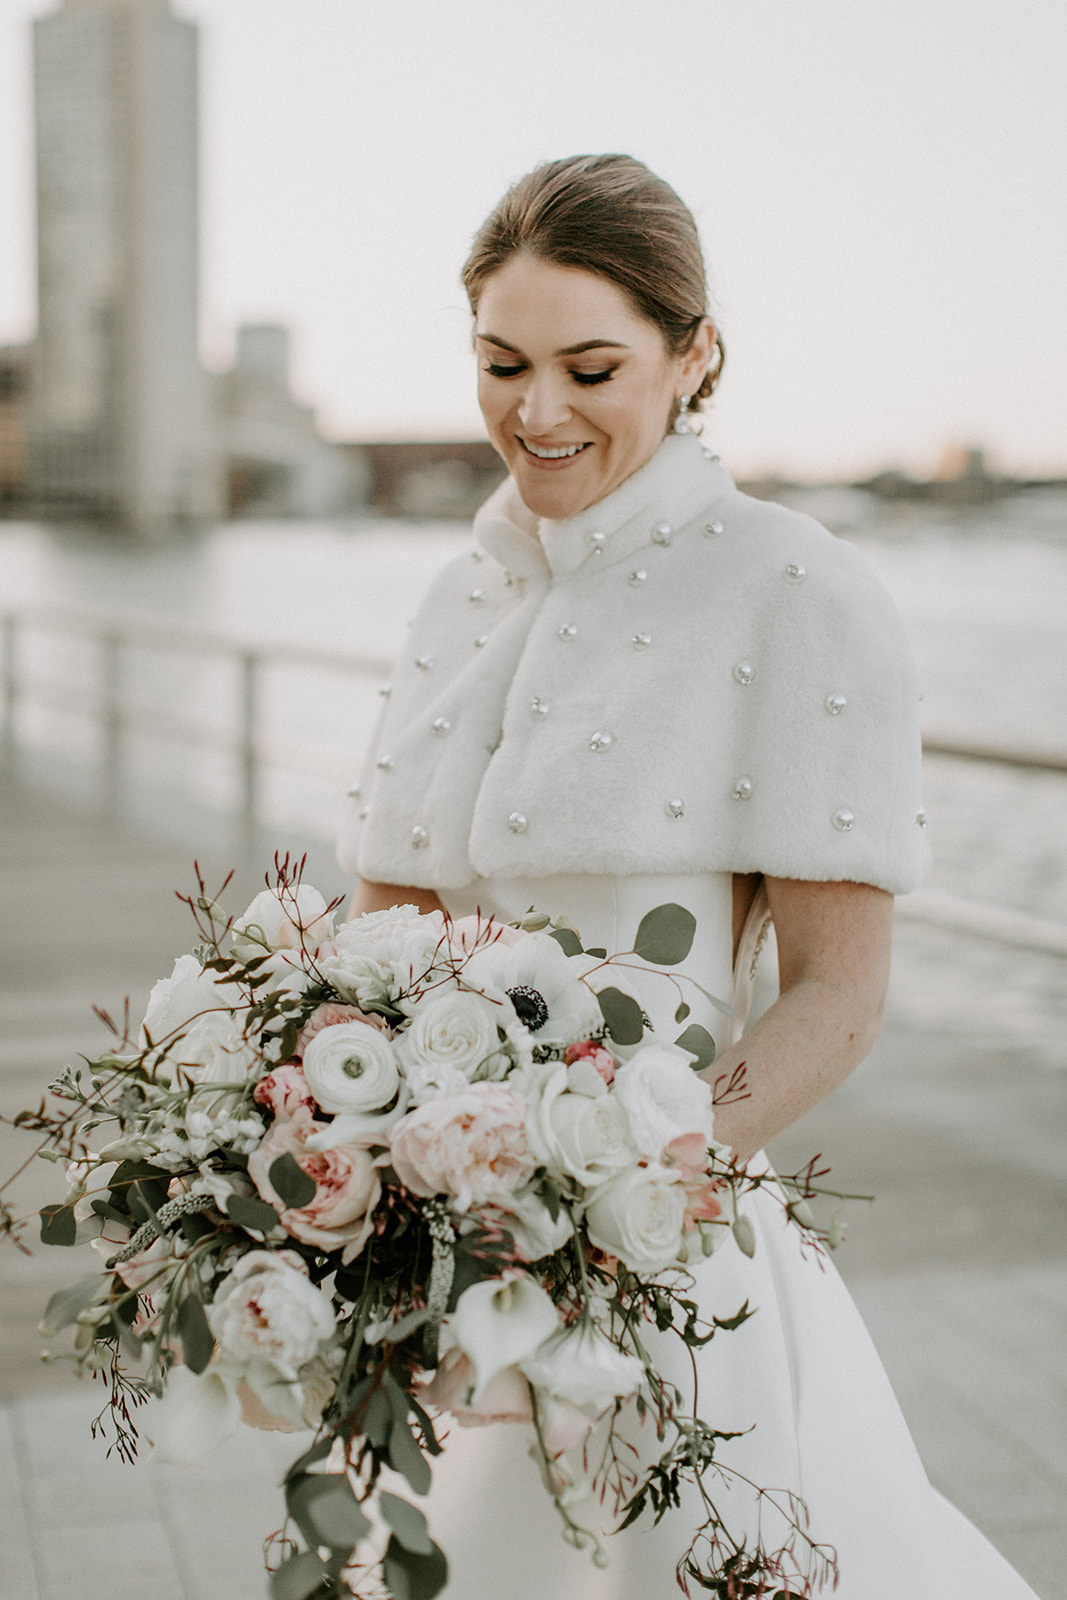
(593, 377)
(496, 371)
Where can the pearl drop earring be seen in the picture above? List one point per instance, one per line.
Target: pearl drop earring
(682, 422)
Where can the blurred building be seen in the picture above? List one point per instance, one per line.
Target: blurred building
(14, 452)
(430, 478)
(119, 408)
(276, 463)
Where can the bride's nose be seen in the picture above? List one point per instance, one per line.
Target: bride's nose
(544, 404)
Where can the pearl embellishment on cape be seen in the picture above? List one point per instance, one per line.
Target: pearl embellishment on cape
(795, 573)
(744, 672)
(843, 820)
(835, 704)
(424, 663)
(476, 597)
(662, 533)
(481, 641)
(386, 690)
(637, 578)
(517, 822)
(602, 740)
(641, 641)
(595, 540)
(675, 808)
(742, 789)
(712, 528)
(920, 817)
(538, 707)
(355, 792)
(419, 838)
(385, 763)
(567, 632)
(441, 725)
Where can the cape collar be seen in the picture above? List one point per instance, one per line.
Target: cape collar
(681, 478)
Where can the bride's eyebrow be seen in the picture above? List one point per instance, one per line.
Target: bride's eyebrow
(568, 350)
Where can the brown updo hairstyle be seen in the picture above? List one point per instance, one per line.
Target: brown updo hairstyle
(608, 215)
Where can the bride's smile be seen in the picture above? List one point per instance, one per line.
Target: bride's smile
(576, 387)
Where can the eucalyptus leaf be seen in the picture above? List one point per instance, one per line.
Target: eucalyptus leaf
(698, 1042)
(250, 1213)
(567, 940)
(198, 1342)
(318, 1452)
(681, 1013)
(291, 1183)
(65, 1304)
(377, 1419)
(600, 951)
(622, 1014)
(396, 1332)
(58, 1225)
(408, 1523)
(325, 1508)
(413, 1577)
(299, 1578)
(406, 1456)
(665, 935)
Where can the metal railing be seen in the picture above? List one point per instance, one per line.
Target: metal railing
(112, 637)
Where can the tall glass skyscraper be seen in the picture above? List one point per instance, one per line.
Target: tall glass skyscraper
(120, 421)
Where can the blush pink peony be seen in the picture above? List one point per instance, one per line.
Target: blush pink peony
(285, 1092)
(596, 1054)
(348, 1186)
(470, 1146)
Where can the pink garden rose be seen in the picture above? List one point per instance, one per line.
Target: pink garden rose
(589, 1050)
(327, 1016)
(285, 1092)
(689, 1152)
(340, 1214)
(471, 1146)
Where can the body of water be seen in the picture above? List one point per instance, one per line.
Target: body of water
(983, 594)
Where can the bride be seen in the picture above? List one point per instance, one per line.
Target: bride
(642, 686)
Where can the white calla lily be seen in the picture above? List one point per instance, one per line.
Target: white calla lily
(500, 1322)
(197, 1412)
(581, 1365)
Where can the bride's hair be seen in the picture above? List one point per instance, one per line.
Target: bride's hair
(611, 216)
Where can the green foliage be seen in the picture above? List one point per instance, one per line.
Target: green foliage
(58, 1225)
(665, 935)
(251, 1213)
(291, 1183)
(567, 940)
(622, 1016)
(414, 1577)
(325, 1509)
(299, 1579)
(408, 1523)
(681, 1013)
(198, 1342)
(698, 1042)
(66, 1304)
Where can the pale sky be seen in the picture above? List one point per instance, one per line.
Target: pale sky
(881, 187)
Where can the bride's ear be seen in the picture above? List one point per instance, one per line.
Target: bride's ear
(697, 359)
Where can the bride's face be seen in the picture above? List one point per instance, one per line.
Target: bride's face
(575, 385)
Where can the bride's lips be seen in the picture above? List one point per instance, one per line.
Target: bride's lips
(554, 463)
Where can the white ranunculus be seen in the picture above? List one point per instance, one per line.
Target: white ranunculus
(378, 955)
(663, 1097)
(449, 1034)
(282, 922)
(351, 1066)
(579, 1136)
(499, 1322)
(545, 987)
(639, 1217)
(197, 1412)
(581, 1365)
(269, 1310)
(529, 1221)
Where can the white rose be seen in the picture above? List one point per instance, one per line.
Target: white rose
(579, 1136)
(288, 922)
(269, 1310)
(351, 1066)
(663, 1097)
(189, 993)
(639, 1217)
(580, 1365)
(214, 1049)
(452, 1033)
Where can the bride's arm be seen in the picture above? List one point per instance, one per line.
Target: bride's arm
(833, 959)
(380, 896)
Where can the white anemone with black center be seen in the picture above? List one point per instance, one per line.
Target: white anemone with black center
(546, 988)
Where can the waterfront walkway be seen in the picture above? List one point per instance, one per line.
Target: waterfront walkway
(960, 1268)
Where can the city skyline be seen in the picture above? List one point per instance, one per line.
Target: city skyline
(880, 198)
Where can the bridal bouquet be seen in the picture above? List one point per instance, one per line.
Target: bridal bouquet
(359, 1179)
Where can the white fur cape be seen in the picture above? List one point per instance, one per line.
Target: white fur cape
(678, 679)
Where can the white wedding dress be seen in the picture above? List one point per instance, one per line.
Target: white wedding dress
(801, 1374)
